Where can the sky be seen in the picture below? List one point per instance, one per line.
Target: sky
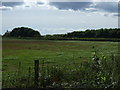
(58, 17)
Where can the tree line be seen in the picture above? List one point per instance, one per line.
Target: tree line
(99, 33)
(82, 35)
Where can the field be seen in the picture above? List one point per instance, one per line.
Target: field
(19, 55)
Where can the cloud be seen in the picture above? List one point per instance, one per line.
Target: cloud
(111, 7)
(119, 7)
(40, 3)
(92, 6)
(71, 5)
(22, 3)
(11, 4)
(5, 8)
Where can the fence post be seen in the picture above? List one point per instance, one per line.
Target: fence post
(36, 73)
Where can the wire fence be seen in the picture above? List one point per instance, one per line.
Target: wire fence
(96, 74)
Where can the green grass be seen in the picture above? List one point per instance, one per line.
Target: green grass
(26, 52)
(60, 53)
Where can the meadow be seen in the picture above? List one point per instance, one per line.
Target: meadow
(71, 61)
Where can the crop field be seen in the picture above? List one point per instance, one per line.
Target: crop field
(19, 55)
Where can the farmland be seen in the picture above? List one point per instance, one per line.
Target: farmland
(20, 54)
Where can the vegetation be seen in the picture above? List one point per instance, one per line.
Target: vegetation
(94, 74)
(66, 64)
(22, 32)
(100, 33)
(88, 35)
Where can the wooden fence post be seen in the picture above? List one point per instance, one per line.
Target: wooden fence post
(36, 73)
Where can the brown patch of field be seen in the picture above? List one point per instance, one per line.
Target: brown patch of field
(38, 45)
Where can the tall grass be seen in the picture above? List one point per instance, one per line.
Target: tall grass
(100, 72)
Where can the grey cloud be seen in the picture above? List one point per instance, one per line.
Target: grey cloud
(71, 5)
(11, 4)
(119, 7)
(111, 7)
(40, 3)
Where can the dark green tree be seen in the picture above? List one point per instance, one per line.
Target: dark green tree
(22, 32)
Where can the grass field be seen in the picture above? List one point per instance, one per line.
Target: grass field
(52, 52)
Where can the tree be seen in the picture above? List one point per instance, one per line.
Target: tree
(22, 32)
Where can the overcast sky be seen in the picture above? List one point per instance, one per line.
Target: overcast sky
(58, 17)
